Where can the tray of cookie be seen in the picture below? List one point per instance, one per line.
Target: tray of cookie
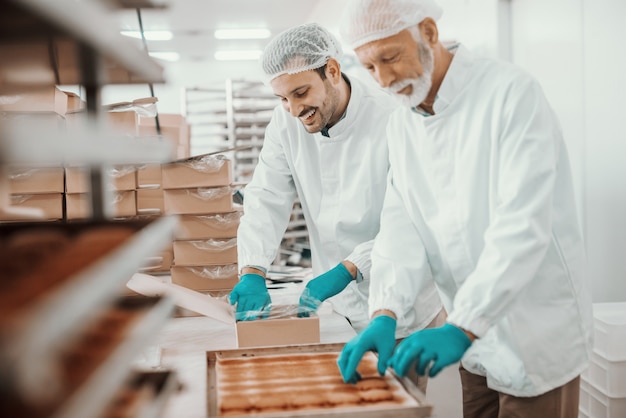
(83, 375)
(304, 380)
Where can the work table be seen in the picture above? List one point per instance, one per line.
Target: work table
(183, 342)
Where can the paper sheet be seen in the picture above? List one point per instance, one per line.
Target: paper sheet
(147, 285)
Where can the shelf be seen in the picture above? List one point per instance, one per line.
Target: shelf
(138, 4)
(296, 234)
(145, 395)
(101, 386)
(40, 310)
(90, 368)
(94, 145)
(54, 42)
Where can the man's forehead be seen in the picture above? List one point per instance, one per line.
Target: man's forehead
(288, 83)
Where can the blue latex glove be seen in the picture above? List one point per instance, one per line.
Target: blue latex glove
(442, 346)
(252, 298)
(322, 287)
(379, 337)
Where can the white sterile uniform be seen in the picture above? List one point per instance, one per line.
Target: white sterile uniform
(340, 181)
(481, 196)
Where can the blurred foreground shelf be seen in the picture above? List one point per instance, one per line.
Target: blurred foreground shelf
(66, 338)
(67, 42)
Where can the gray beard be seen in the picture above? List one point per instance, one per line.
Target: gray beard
(421, 85)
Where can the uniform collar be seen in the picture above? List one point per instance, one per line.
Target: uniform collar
(453, 81)
(355, 94)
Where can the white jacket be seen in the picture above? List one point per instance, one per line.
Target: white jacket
(341, 184)
(481, 199)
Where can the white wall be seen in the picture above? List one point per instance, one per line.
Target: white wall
(574, 48)
(605, 145)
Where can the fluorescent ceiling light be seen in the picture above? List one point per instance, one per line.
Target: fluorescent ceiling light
(238, 55)
(151, 35)
(242, 33)
(165, 56)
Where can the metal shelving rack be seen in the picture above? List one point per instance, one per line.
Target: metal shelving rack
(65, 42)
(234, 115)
(229, 115)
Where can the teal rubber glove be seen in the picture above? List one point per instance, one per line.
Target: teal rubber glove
(322, 287)
(252, 298)
(440, 346)
(379, 337)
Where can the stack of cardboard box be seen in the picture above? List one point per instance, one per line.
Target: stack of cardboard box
(38, 188)
(198, 190)
(62, 191)
(119, 182)
(35, 186)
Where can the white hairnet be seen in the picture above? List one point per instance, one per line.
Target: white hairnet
(298, 49)
(365, 21)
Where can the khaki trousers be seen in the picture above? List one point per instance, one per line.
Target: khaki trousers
(481, 402)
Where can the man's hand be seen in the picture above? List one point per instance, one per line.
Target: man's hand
(440, 346)
(322, 287)
(379, 337)
(252, 298)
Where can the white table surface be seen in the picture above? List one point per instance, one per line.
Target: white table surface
(183, 344)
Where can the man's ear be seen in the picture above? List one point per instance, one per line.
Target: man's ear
(333, 69)
(428, 30)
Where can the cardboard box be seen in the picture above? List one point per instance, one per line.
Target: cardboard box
(205, 278)
(149, 175)
(76, 121)
(123, 116)
(74, 102)
(51, 204)
(168, 133)
(123, 205)
(150, 201)
(283, 327)
(29, 180)
(25, 61)
(206, 171)
(46, 99)
(160, 263)
(174, 127)
(123, 122)
(198, 201)
(219, 225)
(121, 177)
(205, 252)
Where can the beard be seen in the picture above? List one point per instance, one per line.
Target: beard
(323, 113)
(421, 85)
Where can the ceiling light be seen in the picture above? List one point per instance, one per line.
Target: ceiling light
(238, 55)
(165, 56)
(242, 33)
(151, 35)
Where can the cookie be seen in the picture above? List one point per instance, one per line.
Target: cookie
(343, 398)
(371, 383)
(375, 395)
(303, 399)
(235, 402)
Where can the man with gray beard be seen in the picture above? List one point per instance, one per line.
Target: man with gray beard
(480, 199)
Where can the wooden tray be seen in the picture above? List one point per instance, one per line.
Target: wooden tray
(417, 407)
